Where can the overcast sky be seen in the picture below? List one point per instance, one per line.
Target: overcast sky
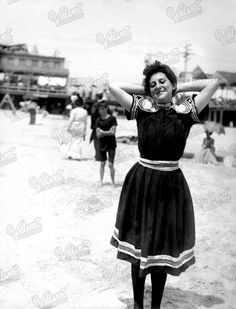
(151, 28)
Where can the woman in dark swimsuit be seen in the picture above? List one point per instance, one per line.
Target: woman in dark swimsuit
(105, 131)
(154, 227)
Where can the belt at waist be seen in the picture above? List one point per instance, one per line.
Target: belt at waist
(160, 165)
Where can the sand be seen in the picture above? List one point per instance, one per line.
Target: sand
(56, 224)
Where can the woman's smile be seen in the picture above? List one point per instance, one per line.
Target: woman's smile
(160, 88)
(160, 94)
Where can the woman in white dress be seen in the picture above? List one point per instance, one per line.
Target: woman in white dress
(207, 154)
(77, 129)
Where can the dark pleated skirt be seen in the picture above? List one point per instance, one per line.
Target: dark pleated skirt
(155, 227)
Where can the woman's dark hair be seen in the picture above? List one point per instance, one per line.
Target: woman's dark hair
(104, 103)
(78, 102)
(208, 132)
(155, 68)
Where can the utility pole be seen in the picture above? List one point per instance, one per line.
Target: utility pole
(187, 52)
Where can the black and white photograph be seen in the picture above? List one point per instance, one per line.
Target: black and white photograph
(117, 154)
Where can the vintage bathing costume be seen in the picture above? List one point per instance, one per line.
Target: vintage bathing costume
(155, 227)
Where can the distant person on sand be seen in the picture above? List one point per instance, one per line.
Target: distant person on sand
(93, 137)
(69, 106)
(32, 109)
(41, 115)
(106, 130)
(77, 129)
(155, 228)
(207, 154)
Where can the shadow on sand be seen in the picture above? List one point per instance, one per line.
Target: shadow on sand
(174, 298)
(82, 159)
(117, 184)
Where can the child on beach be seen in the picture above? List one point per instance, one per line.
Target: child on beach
(155, 228)
(106, 130)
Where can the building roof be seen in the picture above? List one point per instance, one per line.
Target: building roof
(16, 58)
(228, 78)
(14, 48)
(198, 73)
(21, 49)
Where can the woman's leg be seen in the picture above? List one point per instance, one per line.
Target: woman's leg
(102, 168)
(96, 146)
(158, 285)
(80, 148)
(70, 148)
(138, 287)
(111, 154)
(112, 173)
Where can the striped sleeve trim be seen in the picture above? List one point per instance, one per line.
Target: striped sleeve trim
(194, 113)
(134, 107)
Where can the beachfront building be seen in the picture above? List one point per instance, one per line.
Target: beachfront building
(223, 103)
(223, 108)
(24, 74)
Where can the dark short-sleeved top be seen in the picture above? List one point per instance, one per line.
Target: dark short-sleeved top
(162, 132)
(208, 143)
(94, 116)
(107, 142)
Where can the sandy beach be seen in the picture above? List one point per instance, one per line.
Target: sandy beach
(56, 224)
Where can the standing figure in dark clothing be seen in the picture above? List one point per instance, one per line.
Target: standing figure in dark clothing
(208, 141)
(106, 130)
(93, 137)
(155, 228)
(32, 109)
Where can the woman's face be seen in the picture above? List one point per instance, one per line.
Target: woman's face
(160, 88)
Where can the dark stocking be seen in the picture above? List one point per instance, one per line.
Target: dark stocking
(158, 284)
(138, 287)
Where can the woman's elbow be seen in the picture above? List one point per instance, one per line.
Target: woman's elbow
(113, 86)
(110, 87)
(215, 82)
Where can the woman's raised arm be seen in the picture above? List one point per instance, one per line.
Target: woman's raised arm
(122, 93)
(207, 88)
